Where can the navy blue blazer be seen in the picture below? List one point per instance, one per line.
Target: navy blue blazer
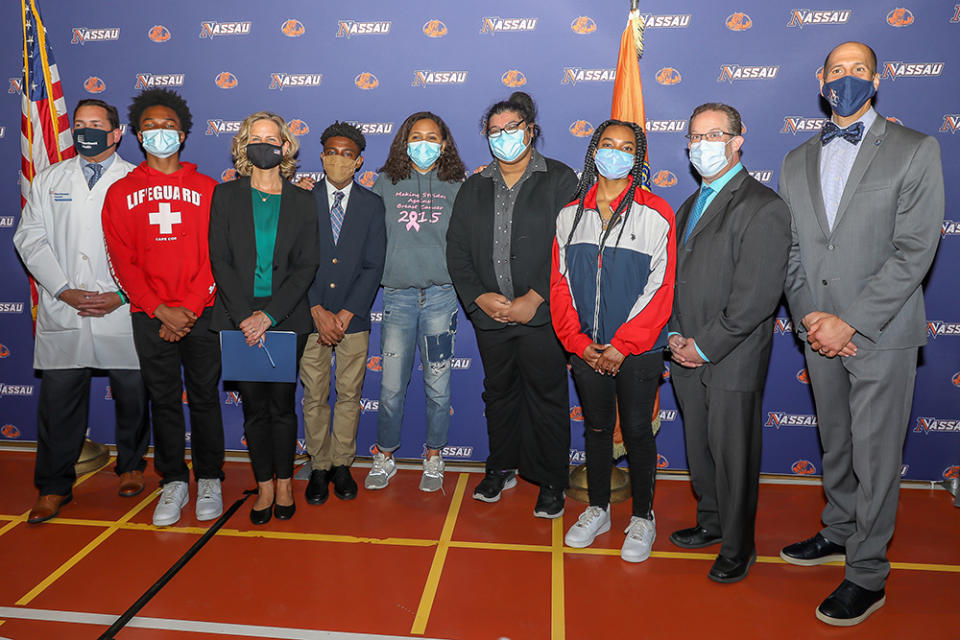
(350, 271)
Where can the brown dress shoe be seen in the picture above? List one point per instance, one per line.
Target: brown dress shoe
(131, 483)
(47, 507)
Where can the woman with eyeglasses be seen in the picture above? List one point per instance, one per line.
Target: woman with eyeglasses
(611, 283)
(264, 255)
(498, 255)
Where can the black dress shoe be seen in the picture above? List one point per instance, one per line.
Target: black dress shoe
(850, 604)
(260, 516)
(344, 486)
(726, 569)
(813, 551)
(318, 489)
(284, 512)
(694, 538)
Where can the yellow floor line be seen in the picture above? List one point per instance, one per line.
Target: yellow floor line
(558, 624)
(80, 555)
(439, 558)
(15, 520)
(499, 546)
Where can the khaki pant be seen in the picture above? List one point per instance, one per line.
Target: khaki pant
(326, 451)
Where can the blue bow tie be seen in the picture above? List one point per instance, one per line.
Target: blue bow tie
(851, 134)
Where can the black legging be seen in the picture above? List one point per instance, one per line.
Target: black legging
(634, 389)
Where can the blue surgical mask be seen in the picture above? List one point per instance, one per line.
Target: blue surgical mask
(613, 164)
(423, 153)
(508, 146)
(161, 143)
(708, 157)
(847, 94)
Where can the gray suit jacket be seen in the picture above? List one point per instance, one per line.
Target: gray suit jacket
(869, 267)
(730, 275)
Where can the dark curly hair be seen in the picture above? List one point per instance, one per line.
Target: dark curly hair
(589, 176)
(344, 130)
(449, 165)
(523, 104)
(165, 98)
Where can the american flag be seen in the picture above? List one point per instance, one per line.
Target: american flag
(45, 136)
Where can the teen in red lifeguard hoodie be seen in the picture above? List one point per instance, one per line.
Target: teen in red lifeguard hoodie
(155, 222)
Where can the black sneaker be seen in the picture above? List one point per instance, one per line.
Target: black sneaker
(493, 483)
(813, 551)
(549, 502)
(849, 605)
(344, 486)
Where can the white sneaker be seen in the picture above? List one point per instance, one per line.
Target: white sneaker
(432, 479)
(591, 523)
(173, 497)
(640, 536)
(209, 499)
(384, 467)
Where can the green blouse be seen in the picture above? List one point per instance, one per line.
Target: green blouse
(266, 215)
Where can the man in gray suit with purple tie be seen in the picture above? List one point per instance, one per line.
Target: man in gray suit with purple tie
(867, 205)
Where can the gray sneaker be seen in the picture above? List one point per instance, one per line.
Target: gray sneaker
(432, 479)
(384, 467)
(209, 499)
(172, 499)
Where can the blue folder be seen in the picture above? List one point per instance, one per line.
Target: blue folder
(272, 360)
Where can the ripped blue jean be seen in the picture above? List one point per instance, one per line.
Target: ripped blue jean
(424, 318)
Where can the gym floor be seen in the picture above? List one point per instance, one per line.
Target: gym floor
(402, 563)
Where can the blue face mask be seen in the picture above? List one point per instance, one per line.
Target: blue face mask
(161, 143)
(90, 142)
(847, 94)
(613, 164)
(423, 153)
(508, 146)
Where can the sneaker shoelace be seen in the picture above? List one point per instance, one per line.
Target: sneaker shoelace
(638, 528)
(168, 494)
(433, 468)
(379, 464)
(207, 492)
(588, 516)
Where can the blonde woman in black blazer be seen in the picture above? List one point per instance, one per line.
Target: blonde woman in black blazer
(263, 252)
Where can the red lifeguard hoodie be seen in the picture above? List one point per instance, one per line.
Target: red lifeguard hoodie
(156, 227)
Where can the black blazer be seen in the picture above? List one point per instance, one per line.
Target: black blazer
(233, 257)
(470, 239)
(350, 271)
(730, 275)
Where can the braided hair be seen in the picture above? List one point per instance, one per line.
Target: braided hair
(589, 177)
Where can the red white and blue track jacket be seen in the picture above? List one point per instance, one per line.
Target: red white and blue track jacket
(608, 293)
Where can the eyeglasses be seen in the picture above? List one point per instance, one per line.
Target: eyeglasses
(712, 136)
(510, 127)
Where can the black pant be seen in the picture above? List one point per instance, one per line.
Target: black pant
(722, 432)
(270, 424)
(62, 424)
(527, 402)
(160, 361)
(634, 391)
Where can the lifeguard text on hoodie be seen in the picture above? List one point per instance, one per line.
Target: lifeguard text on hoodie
(156, 228)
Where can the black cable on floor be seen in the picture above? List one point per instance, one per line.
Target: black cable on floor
(141, 602)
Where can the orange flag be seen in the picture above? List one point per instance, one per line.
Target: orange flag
(628, 88)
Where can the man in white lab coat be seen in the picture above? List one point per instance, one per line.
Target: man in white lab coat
(83, 320)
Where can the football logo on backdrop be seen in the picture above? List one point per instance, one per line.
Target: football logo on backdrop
(513, 78)
(955, 379)
(434, 29)
(668, 76)
(93, 84)
(665, 178)
(298, 127)
(374, 363)
(803, 468)
(581, 128)
(738, 21)
(895, 120)
(292, 28)
(228, 174)
(226, 80)
(367, 178)
(803, 377)
(576, 414)
(366, 80)
(4, 351)
(583, 25)
(900, 17)
(10, 431)
(158, 33)
(662, 462)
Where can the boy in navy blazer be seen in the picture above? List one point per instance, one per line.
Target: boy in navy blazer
(352, 252)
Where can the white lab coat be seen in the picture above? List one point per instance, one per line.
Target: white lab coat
(60, 239)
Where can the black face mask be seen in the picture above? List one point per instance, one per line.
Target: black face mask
(90, 142)
(264, 155)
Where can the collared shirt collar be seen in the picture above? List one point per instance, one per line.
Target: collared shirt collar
(105, 163)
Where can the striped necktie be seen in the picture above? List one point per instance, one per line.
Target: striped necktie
(97, 172)
(336, 215)
(698, 207)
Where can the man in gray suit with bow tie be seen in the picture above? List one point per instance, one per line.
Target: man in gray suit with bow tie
(867, 204)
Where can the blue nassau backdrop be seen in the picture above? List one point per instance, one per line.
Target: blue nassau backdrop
(376, 61)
